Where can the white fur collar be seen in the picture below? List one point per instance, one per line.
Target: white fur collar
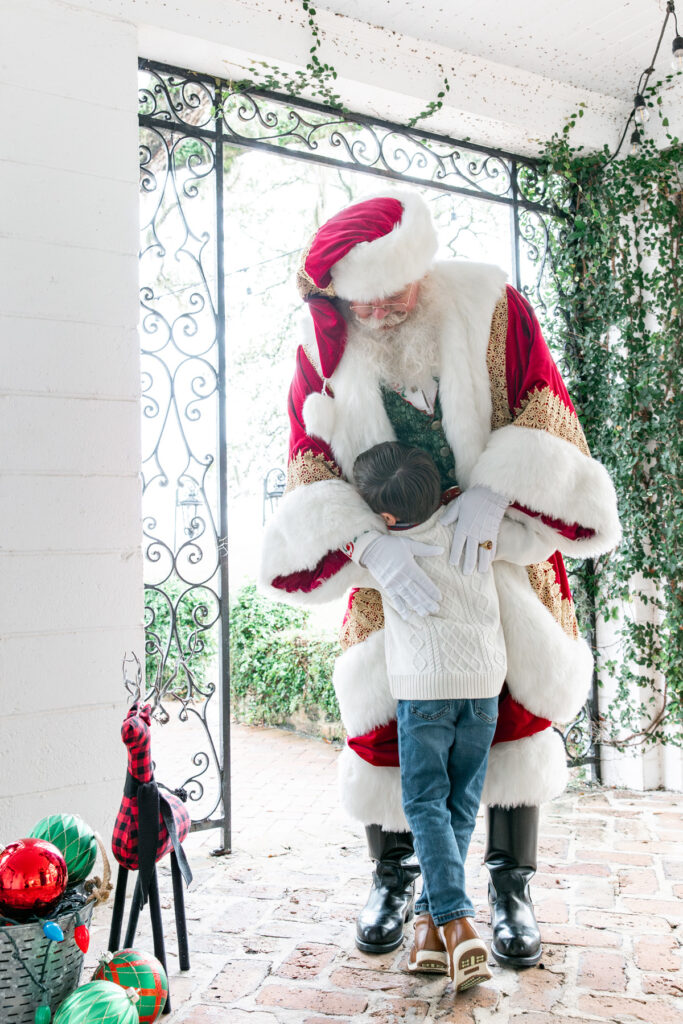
(355, 419)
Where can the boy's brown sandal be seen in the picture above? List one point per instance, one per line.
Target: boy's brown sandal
(428, 952)
(467, 953)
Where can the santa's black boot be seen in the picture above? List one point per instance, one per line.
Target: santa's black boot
(379, 927)
(511, 859)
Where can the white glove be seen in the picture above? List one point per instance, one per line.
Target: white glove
(525, 540)
(391, 560)
(477, 514)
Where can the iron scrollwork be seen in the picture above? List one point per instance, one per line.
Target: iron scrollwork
(579, 738)
(184, 605)
(199, 105)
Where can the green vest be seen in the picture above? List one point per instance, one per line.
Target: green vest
(422, 430)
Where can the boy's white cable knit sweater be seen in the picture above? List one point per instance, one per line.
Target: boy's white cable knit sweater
(458, 652)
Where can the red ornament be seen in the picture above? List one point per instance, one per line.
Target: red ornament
(33, 876)
(82, 937)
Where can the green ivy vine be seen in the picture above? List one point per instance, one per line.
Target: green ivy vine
(617, 277)
(320, 77)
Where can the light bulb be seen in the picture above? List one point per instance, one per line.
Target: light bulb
(635, 143)
(53, 931)
(677, 51)
(640, 111)
(82, 937)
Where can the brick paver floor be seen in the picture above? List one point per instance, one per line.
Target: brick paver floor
(271, 925)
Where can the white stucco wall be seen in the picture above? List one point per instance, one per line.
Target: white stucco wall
(70, 551)
(637, 765)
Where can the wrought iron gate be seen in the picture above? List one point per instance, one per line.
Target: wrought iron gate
(186, 122)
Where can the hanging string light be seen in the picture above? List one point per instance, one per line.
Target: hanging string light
(636, 142)
(639, 112)
(677, 50)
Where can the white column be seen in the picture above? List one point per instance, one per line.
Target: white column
(639, 766)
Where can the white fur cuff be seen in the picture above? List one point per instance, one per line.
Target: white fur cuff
(550, 475)
(311, 521)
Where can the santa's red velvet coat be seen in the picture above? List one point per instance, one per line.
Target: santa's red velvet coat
(512, 427)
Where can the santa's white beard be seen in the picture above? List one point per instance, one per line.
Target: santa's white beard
(406, 355)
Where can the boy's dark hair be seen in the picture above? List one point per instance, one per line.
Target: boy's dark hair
(396, 478)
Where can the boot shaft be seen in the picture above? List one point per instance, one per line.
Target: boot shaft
(379, 928)
(383, 845)
(511, 857)
(511, 841)
(393, 852)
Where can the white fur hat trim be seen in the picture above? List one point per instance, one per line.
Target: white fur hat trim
(319, 416)
(384, 266)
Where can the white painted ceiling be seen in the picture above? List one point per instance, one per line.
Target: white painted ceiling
(600, 45)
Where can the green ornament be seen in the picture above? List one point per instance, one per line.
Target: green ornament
(133, 968)
(42, 1015)
(98, 1002)
(74, 838)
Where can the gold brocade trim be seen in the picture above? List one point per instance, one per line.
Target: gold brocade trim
(305, 283)
(313, 358)
(547, 589)
(495, 362)
(307, 468)
(544, 410)
(364, 618)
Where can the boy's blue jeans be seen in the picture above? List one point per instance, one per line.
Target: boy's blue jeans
(443, 750)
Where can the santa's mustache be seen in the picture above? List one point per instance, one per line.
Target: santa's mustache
(375, 324)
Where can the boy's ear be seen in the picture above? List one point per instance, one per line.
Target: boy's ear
(388, 518)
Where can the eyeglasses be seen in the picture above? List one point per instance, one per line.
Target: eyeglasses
(367, 309)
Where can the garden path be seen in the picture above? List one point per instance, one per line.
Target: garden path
(271, 926)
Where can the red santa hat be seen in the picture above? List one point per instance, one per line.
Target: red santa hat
(367, 251)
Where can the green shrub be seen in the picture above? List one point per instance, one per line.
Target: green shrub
(181, 659)
(277, 665)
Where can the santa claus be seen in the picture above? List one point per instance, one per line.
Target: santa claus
(447, 357)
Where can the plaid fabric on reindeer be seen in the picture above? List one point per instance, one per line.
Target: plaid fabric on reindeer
(149, 824)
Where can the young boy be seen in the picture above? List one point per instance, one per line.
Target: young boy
(446, 671)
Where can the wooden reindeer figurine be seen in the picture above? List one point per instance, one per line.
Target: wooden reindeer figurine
(149, 825)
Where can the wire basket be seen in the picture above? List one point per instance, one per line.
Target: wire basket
(61, 962)
(19, 996)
